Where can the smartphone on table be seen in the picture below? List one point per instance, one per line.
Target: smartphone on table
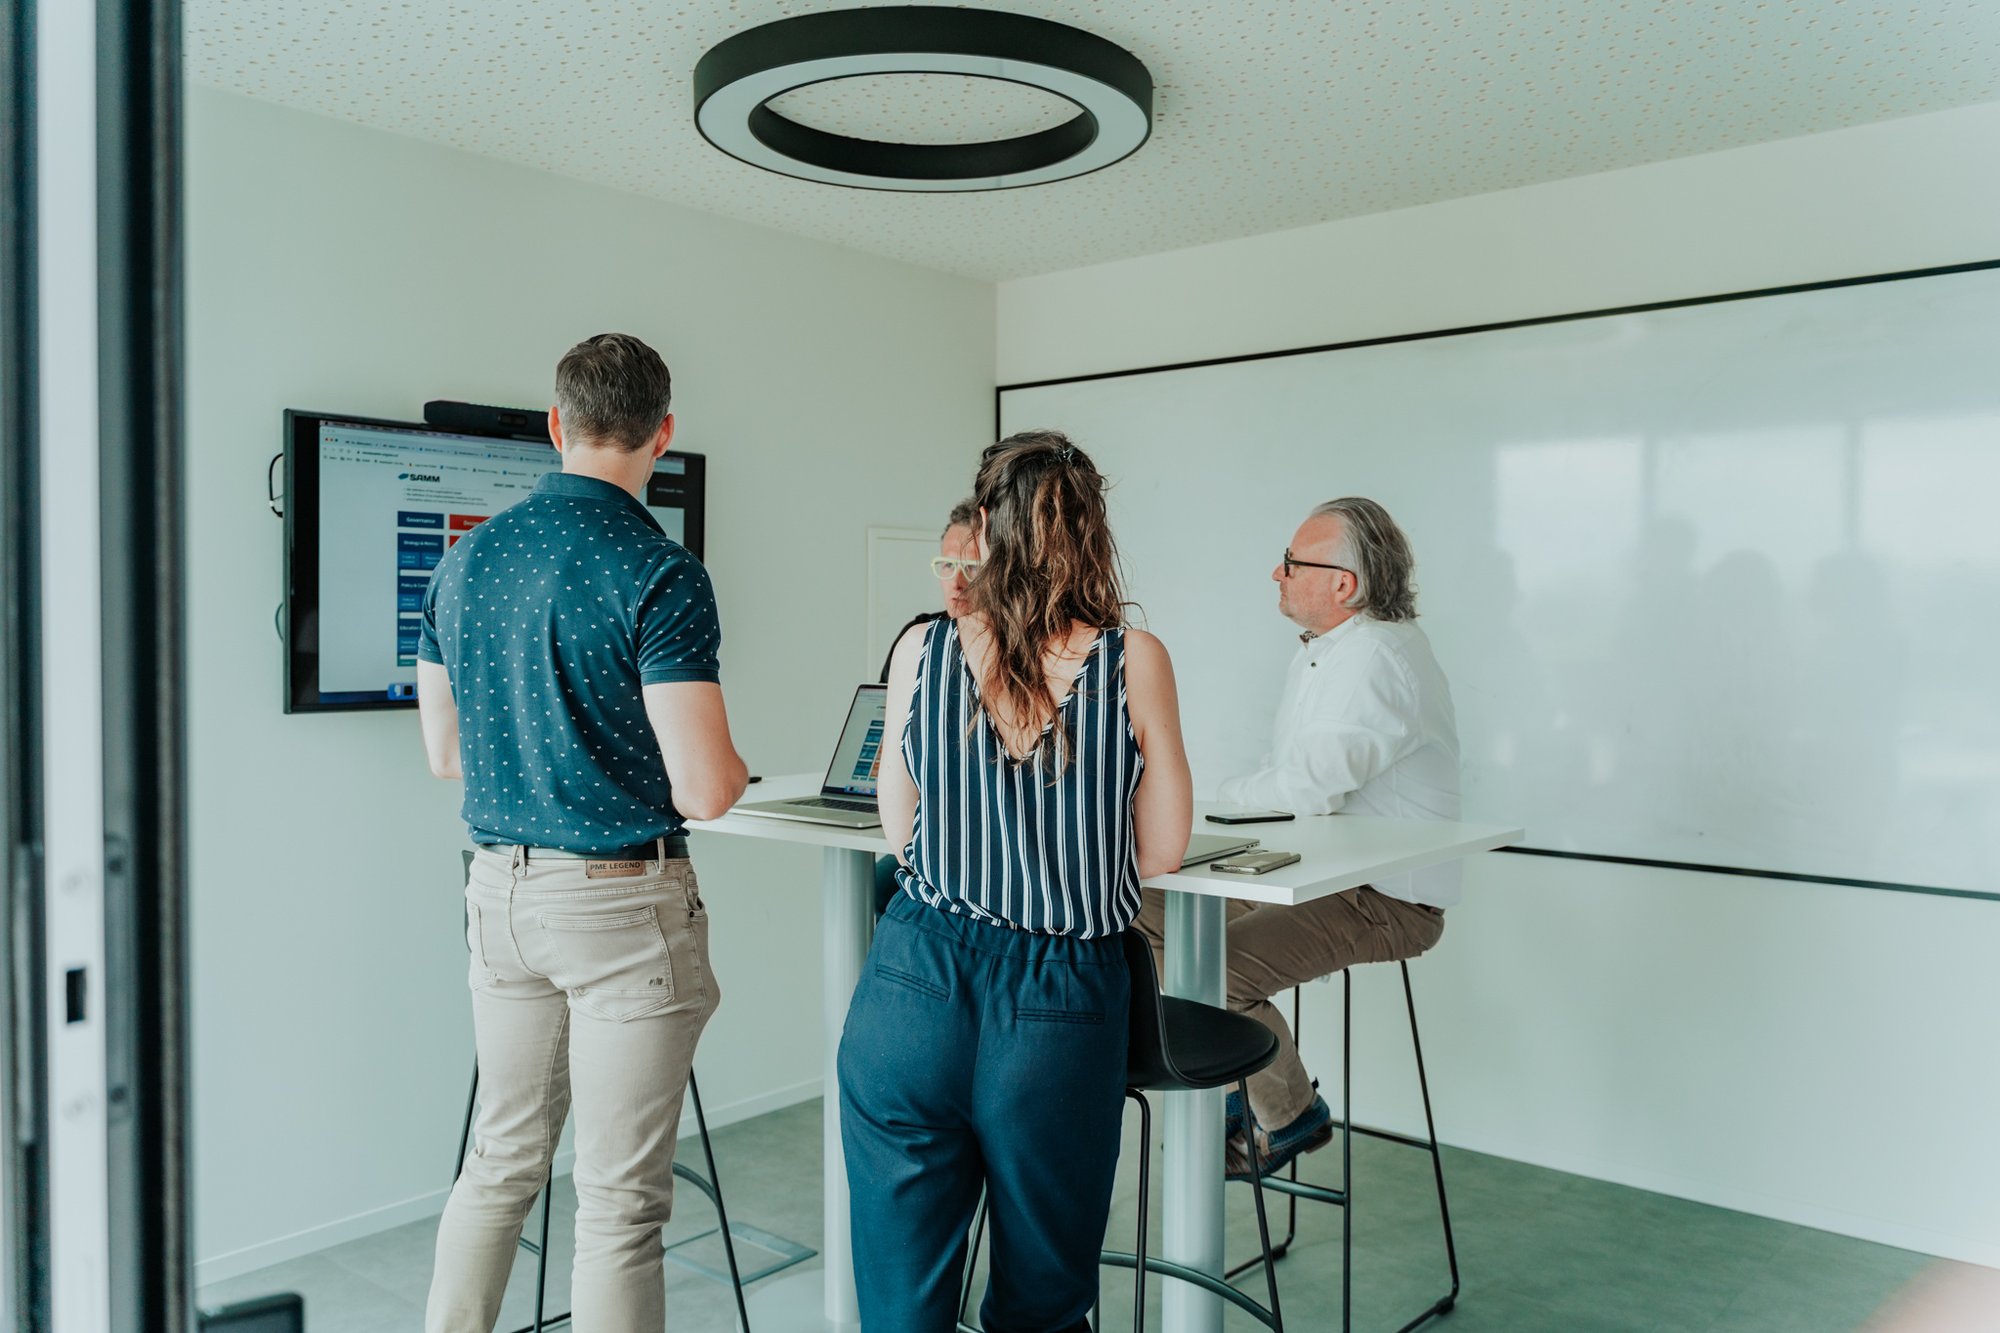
(1254, 863)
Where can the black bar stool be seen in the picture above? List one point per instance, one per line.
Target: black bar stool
(708, 1185)
(1176, 1045)
(1342, 1198)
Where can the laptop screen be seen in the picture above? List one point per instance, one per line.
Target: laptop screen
(857, 763)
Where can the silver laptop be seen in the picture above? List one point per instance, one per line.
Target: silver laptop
(1205, 847)
(847, 793)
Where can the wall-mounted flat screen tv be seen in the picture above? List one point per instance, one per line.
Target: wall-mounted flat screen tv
(370, 508)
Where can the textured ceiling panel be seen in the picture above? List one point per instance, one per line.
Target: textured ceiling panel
(1268, 114)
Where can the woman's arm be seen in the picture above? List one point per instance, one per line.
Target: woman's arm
(896, 790)
(1163, 809)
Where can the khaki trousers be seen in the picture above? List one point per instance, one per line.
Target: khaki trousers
(588, 992)
(1272, 949)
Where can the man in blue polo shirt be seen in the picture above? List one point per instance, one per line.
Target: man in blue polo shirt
(567, 671)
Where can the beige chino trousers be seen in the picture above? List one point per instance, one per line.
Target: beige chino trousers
(590, 987)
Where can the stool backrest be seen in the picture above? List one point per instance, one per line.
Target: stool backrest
(1147, 1062)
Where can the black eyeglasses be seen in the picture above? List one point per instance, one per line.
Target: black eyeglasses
(1291, 564)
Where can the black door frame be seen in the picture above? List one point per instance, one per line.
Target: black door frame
(24, 1265)
(140, 506)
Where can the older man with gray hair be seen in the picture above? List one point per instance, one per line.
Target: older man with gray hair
(1365, 725)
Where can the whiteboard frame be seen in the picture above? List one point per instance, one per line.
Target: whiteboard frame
(1790, 289)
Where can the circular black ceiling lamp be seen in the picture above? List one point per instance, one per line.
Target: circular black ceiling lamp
(738, 78)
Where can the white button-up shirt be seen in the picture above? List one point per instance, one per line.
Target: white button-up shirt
(1366, 726)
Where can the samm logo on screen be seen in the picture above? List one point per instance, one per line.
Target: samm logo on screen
(420, 476)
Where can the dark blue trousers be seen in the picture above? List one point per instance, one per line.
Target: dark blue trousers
(978, 1055)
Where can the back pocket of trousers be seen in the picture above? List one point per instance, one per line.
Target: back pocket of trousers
(1059, 1015)
(911, 981)
(1073, 994)
(615, 965)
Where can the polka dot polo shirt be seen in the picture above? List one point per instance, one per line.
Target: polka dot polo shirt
(549, 617)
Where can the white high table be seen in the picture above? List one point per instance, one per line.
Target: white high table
(1336, 853)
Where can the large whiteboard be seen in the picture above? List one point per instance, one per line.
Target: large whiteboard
(1715, 584)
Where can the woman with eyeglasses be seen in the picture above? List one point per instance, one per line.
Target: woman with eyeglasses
(1041, 776)
(953, 566)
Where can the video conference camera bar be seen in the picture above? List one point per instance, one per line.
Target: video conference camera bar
(504, 423)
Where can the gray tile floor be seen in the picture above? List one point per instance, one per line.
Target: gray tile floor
(1540, 1252)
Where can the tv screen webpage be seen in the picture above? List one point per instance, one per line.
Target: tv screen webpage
(370, 508)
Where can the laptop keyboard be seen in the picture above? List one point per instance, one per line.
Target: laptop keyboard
(835, 803)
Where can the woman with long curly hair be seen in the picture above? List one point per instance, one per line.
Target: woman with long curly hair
(1040, 776)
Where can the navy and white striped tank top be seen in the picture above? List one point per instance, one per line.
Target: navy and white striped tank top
(995, 839)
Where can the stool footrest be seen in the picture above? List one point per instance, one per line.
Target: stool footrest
(1206, 1281)
(1389, 1136)
(787, 1253)
(1305, 1189)
(548, 1321)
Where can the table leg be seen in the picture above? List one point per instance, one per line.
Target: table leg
(847, 908)
(1191, 1175)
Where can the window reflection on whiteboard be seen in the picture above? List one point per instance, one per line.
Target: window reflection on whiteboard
(1717, 583)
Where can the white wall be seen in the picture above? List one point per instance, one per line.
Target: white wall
(338, 268)
(1814, 1053)
(1901, 194)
